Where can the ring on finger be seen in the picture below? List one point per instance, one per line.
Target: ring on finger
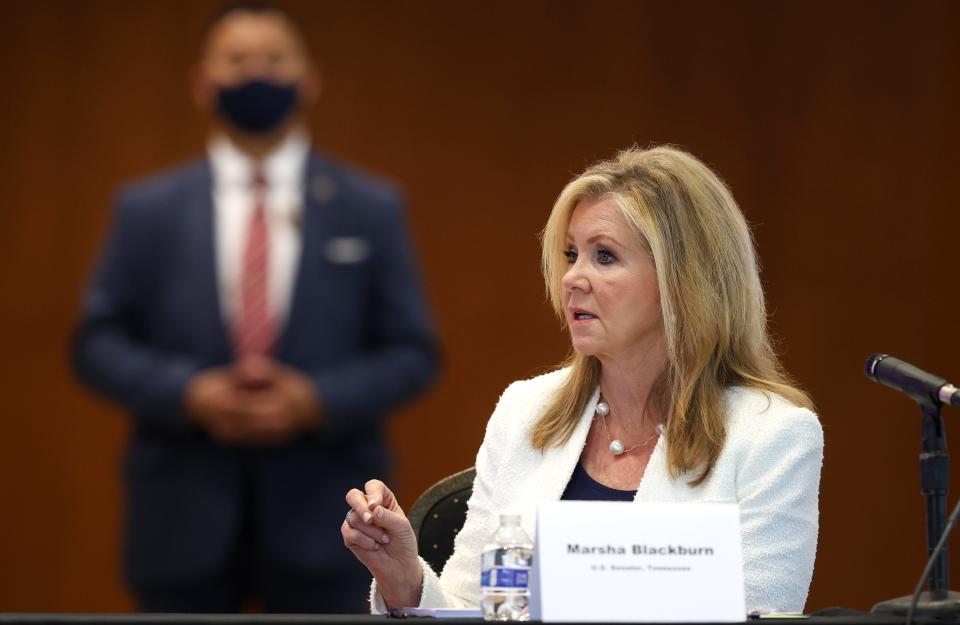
(346, 519)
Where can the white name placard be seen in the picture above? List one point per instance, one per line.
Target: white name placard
(618, 561)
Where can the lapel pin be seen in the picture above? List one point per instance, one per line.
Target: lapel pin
(322, 188)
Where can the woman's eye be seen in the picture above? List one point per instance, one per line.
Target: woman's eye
(604, 257)
(571, 256)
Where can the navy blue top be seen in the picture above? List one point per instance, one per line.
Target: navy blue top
(582, 487)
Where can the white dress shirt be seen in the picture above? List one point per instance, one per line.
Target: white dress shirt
(233, 201)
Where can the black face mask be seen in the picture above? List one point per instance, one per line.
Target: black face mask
(257, 106)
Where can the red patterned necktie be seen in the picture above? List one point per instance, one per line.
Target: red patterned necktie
(254, 330)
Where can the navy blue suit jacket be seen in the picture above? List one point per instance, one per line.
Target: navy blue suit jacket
(358, 326)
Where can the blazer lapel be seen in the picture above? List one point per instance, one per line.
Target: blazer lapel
(559, 462)
(320, 196)
(209, 322)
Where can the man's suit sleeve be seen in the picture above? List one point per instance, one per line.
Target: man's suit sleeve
(402, 355)
(108, 348)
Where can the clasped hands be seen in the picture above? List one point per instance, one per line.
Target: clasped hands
(255, 401)
(379, 534)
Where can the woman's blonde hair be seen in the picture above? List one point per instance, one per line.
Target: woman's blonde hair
(714, 315)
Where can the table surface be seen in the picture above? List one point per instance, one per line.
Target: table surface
(346, 619)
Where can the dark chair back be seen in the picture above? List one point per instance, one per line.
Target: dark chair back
(439, 514)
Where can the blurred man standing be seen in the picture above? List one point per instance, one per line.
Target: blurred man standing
(258, 312)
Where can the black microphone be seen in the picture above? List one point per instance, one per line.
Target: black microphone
(919, 385)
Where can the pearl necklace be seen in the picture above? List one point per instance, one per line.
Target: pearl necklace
(616, 445)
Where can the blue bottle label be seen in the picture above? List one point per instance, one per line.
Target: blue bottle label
(502, 577)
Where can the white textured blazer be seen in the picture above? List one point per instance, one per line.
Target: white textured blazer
(769, 465)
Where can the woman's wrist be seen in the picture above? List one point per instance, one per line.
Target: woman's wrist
(404, 592)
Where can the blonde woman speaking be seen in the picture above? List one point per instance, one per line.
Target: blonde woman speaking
(672, 393)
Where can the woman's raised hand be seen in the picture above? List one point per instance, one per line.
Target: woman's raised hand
(377, 531)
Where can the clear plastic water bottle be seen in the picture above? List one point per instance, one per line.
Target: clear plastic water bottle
(505, 572)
